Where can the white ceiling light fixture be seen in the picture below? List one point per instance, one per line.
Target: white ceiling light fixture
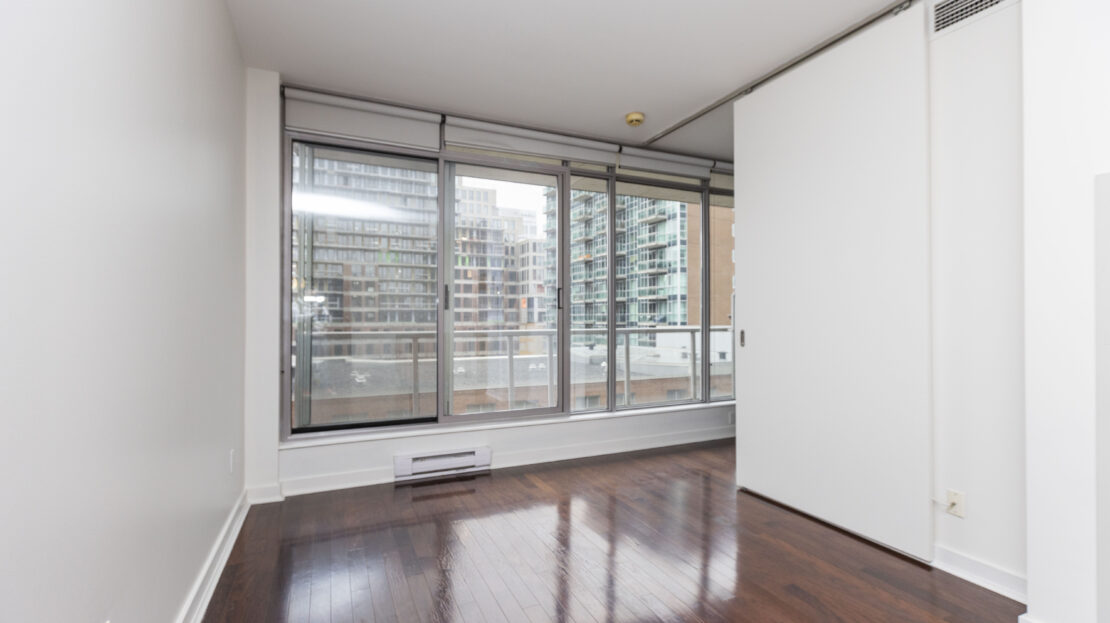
(634, 119)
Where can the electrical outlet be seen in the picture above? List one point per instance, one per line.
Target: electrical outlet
(231, 461)
(955, 503)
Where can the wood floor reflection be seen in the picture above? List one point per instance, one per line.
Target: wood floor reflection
(651, 536)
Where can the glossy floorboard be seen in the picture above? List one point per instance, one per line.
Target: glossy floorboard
(651, 536)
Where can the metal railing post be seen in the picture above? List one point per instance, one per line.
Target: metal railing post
(693, 364)
(512, 380)
(550, 371)
(627, 369)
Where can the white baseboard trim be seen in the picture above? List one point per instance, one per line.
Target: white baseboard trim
(196, 602)
(333, 482)
(264, 494)
(530, 456)
(990, 577)
(1025, 618)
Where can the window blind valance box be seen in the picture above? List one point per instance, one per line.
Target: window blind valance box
(342, 117)
(319, 113)
(660, 162)
(722, 178)
(460, 132)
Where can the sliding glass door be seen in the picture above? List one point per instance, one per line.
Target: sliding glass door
(503, 318)
(363, 273)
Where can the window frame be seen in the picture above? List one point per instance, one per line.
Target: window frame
(446, 241)
(564, 172)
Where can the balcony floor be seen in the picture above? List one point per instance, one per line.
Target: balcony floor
(660, 535)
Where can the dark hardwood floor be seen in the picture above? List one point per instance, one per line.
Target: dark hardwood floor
(660, 535)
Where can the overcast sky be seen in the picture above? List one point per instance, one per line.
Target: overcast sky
(514, 195)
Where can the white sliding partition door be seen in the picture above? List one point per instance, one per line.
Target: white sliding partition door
(832, 287)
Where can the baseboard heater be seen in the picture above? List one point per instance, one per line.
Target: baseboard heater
(425, 465)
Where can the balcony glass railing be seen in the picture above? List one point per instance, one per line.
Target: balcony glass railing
(652, 214)
(654, 365)
(651, 240)
(654, 266)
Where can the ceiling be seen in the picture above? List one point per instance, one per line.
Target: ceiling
(575, 66)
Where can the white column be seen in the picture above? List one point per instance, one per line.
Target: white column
(261, 417)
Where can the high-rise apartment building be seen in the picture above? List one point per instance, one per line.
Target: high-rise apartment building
(364, 247)
(589, 256)
(369, 263)
(374, 271)
(651, 262)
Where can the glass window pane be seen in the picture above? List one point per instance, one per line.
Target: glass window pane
(722, 293)
(504, 282)
(658, 268)
(363, 288)
(589, 303)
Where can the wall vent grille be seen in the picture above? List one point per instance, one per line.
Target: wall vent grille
(952, 12)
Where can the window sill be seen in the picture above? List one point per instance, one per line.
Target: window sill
(330, 438)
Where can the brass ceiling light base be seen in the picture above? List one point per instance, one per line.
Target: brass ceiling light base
(634, 119)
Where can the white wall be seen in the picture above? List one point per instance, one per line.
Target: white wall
(1102, 396)
(1066, 59)
(122, 244)
(1098, 119)
(263, 293)
(311, 465)
(832, 254)
(978, 323)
